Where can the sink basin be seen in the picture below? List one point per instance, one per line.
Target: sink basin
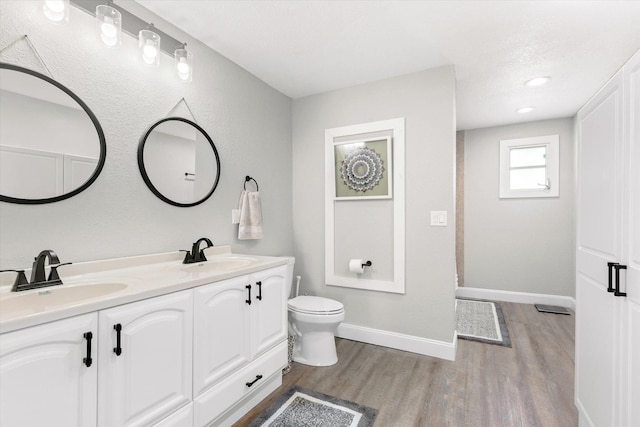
(220, 264)
(55, 296)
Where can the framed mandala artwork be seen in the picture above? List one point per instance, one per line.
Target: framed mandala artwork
(362, 169)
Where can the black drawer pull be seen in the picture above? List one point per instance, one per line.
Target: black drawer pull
(118, 348)
(249, 289)
(611, 265)
(259, 290)
(88, 360)
(617, 292)
(258, 378)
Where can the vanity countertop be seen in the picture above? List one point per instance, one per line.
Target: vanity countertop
(97, 285)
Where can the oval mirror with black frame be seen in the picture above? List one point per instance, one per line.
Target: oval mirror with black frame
(52, 146)
(179, 162)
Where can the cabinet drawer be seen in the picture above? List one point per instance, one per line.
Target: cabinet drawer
(211, 404)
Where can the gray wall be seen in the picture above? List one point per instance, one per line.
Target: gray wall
(521, 245)
(426, 100)
(249, 122)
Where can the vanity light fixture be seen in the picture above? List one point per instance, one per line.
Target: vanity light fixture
(149, 44)
(538, 81)
(56, 10)
(110, 24)
(524, 110)
(184, 63)
(114, 21)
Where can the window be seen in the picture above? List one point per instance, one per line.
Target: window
(529, 167)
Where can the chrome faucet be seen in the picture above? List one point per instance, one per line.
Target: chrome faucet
(197, 254)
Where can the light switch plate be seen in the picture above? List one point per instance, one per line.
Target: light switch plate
(235, 216)
(438, 218)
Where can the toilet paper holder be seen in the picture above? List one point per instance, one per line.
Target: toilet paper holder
(357, 265)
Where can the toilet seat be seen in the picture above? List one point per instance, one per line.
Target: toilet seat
(315, 305)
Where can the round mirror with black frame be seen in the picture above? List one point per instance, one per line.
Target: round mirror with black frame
(179, 162)
(52, 146)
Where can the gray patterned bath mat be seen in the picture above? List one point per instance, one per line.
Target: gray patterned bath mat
(300, 407)
(481, 321)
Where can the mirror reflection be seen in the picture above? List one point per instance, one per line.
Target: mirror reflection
(179, 162)
(51, 145)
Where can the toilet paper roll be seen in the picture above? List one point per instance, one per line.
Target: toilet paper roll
(355, 266)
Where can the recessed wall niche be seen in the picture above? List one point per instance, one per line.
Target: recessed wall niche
(366, 220)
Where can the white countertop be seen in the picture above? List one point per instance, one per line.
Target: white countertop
(127, 280)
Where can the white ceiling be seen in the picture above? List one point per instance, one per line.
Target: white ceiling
(303, 48)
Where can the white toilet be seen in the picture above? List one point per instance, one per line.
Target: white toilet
(313, 322)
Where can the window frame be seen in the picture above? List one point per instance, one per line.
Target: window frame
(552, 166)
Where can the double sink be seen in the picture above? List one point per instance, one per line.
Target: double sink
(137, 280)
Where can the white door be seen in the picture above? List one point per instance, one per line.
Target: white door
(632, 394)
(270, 309)
(221, 330)
(44, 377)
(599, 225)
(148, 376)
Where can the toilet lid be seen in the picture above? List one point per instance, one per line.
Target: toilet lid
(309, 304)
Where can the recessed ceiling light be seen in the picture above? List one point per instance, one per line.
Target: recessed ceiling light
(538, 81)
(525, 110)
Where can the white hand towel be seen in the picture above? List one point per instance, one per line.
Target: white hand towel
(250, 216)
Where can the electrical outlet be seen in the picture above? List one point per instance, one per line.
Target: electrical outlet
(235, 216)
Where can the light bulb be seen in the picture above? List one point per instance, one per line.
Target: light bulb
(149, 53)
(55, 6)
(183, 67)
(108, 30)
(56, 10)
(109, 34)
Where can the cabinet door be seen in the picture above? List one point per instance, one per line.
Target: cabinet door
(221, 330)
(152, 375)
(599, 227)
(270, 310)
(44, 380)
(632, 393)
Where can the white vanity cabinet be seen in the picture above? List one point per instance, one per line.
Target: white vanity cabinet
(240, 335)
(146, 374)
(47, 377)
(203, 355)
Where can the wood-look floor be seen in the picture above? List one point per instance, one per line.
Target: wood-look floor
(530, 384)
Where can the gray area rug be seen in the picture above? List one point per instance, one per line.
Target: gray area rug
(300, 407)
(481, 321)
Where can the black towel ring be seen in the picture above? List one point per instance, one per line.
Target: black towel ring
(247, 179)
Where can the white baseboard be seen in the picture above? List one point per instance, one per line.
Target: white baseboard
(428, 347)
(520, 297)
